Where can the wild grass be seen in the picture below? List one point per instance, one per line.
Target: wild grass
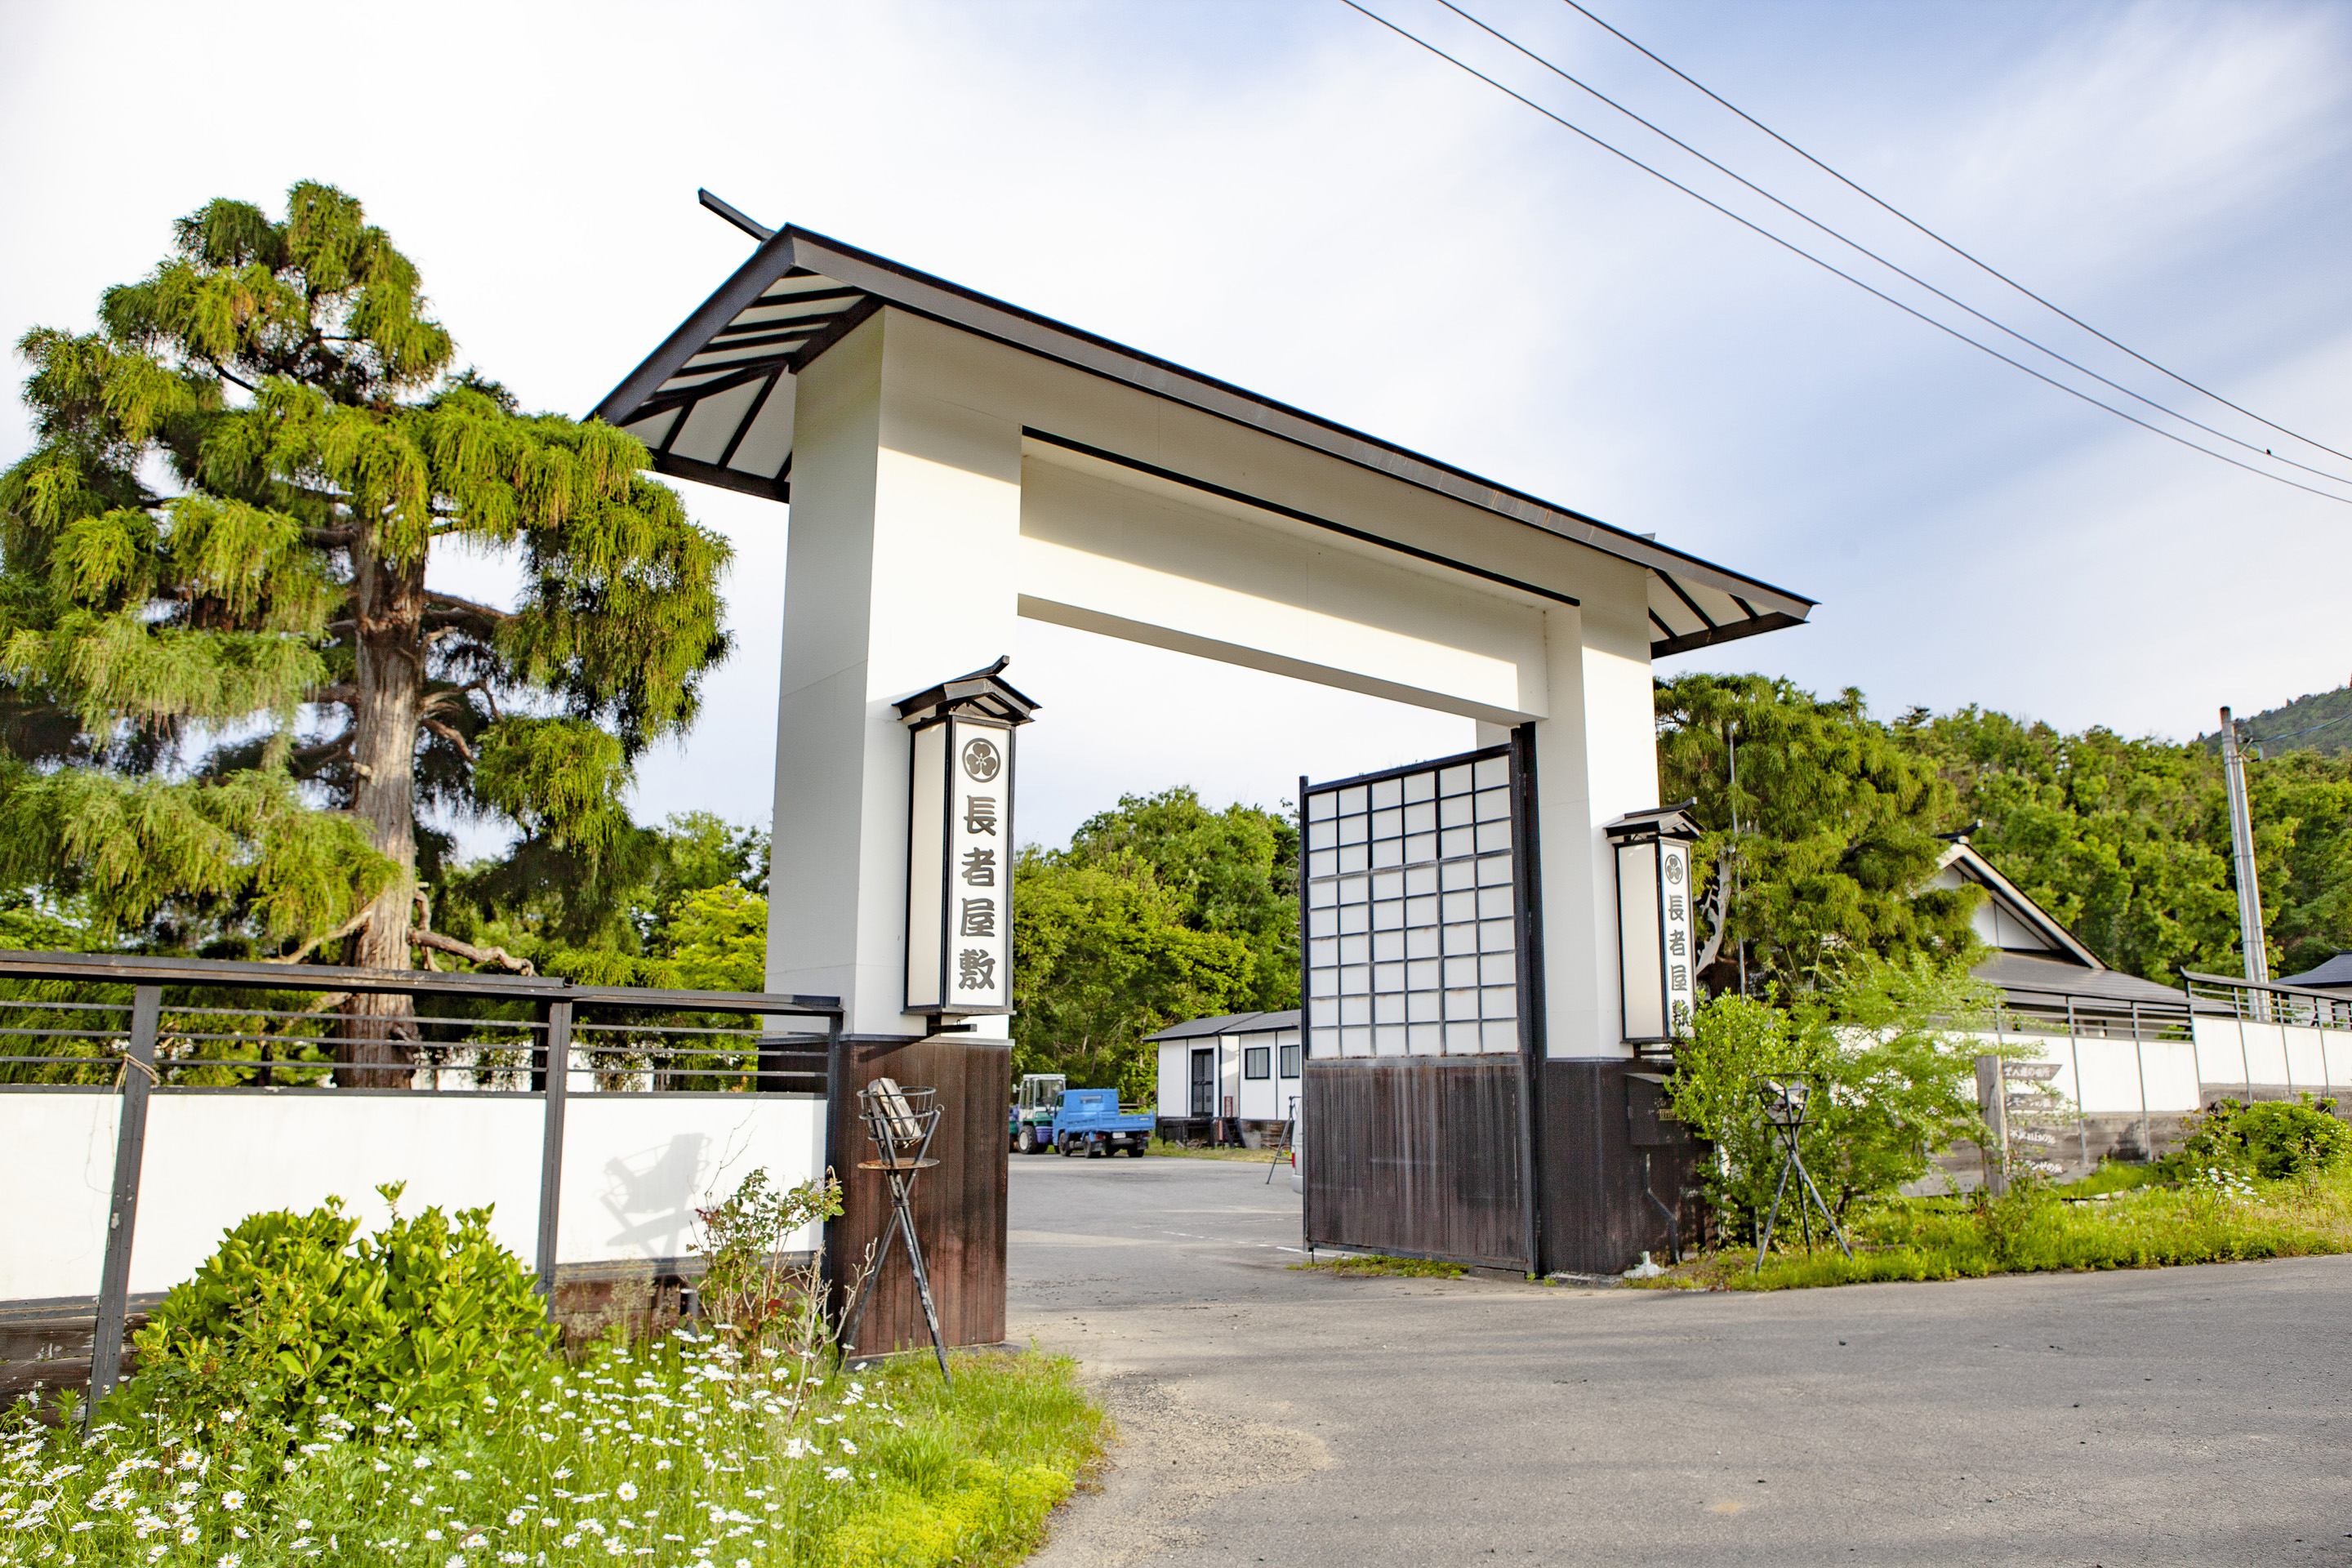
(2212, 1217)
(682, 1454)
(1178, 1152)
(1377, 1266)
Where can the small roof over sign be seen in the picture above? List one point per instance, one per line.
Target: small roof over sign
(980, 693)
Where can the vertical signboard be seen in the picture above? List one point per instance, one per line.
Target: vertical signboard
(1657, 962)
(1675, 930)
(959, 868)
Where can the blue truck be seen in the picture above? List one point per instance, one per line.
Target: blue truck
(1045, 1115)
(1090, 1123)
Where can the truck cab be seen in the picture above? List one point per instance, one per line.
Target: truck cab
(1030, 1124)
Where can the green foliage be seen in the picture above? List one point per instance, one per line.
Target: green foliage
(682, 905)
(563, 780)
(301, 1322)
(244, 847)
(1884, 1045)
(1379, 1265)
(2273, 1139)
(1234, 873)
(1836, 828)
(755, 1295)
(211, 664)
(2126, 841)
(2311, 722)
(718, 940)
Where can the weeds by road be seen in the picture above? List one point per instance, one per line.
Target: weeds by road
(1179, 1152)
(1379, 1266)
(2211, 1217)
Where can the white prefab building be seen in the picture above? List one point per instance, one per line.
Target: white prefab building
(1236, 1078)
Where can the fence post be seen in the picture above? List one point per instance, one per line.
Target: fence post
(2139, 1058)
(122, 1213)
(556, 1043)
(1992, 1098)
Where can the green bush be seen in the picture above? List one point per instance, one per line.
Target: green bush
(2273, 1138)
(1883, 1046)
(300, 1322)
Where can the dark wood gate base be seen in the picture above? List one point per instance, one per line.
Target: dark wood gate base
(958, 1206)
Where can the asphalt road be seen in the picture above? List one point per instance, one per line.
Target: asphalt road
(2189, 1416)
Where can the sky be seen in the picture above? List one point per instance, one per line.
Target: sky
(1284, 194)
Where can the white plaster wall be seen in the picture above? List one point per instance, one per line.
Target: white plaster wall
(1151, 566)
(636, 1167)
(920, 532)
(2103, 1077)
(2231, 1050)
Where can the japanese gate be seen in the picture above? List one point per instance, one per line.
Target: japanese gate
(954, 463)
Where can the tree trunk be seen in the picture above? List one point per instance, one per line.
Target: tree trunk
(390, 602)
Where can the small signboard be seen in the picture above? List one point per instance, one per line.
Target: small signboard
(960, 845)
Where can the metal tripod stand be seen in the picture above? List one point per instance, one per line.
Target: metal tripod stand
(900, 1122)
(1786, 1100)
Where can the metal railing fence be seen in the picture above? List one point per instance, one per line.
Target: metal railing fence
(140, 1025)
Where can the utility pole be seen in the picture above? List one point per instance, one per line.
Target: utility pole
(2242, 849)
(1731, 757)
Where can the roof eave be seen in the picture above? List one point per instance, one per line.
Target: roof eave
(955, 305)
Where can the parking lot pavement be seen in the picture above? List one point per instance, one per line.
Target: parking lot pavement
(2185, 1415)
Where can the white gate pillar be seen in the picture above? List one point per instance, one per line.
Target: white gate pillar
(905, 522)
(1596, 759)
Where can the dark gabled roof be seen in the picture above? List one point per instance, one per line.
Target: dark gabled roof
(2334, 973)
(1201, 1028)
(706, 402)
(2048, 980)
(1266, 1023)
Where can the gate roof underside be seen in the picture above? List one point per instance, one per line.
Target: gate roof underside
(706, 402)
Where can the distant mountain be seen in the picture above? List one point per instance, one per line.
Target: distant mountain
(2320, 722)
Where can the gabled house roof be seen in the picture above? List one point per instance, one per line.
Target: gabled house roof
(2038, 964)
(2008, 922)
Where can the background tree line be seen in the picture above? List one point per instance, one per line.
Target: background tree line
(2126, 842)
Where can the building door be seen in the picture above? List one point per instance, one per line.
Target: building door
(1204, 1083)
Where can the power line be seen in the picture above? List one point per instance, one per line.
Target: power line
(1892, 267)
(1964, 255)
(1836, 271)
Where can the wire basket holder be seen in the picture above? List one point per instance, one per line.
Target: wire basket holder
(1787, 1100)
(900, 1123)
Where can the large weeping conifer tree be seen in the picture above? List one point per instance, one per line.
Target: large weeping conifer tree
(227, 688)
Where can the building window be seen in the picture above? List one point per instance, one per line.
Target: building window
(1290, 1061)
(1255, 1061)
